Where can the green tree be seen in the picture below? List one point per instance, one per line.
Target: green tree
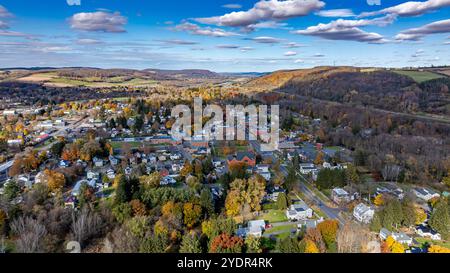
(11, 190)
(291, 178)
(287, 245)
(351, 174)
(253, 244)
(440, 218)
(190, 243)
(376, 223)
(206, 201)
(282, 201)
(155, 244)
(122, 212)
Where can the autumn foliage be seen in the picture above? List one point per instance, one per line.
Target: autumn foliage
(225, 243)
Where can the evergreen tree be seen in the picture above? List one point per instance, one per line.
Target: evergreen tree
(282, 202)
(440, 219)
(376, 223)
(206, 201)
(190, 243)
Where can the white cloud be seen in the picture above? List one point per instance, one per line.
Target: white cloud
(266, 40)
(86, 41)
(246, 48)
(197, 30)
(293, 45)
(73, 2)
(4, 13)
(416, 34)
(335, 13)
(177, 42)
(3, 25)
(299, 61)
(349, 30)
(265, 10)
(99, 21)
(411, 8)
(232, 6)
(290, 53)
(55, 49)
(265, 24)
(318, 55)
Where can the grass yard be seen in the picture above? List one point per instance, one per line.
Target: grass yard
(431, 242)
(274, 216)
(281, 229)
(133, 144)
(419, 76)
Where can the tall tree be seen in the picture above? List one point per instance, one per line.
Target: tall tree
(190, 243)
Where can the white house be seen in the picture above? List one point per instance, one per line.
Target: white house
(425, 194)
(400, 237)
(114, 161)
(340, 195)
(307, 168)
(363, 213)
(93, 175)
(263, 170)
(299, 211)
(167, 180)
(425, 231)
(98, 162)
(256, 228)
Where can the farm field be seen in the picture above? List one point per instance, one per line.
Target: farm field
(419, 76)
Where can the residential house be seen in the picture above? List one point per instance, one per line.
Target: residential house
(425, 194)
(309, 223)
(254, 228)
(340, 196)
(93, 175)
(242, 157)
(77, 187)
(363, 213)
(263, 170)
(425, 231)
(114, 161)
(167, 180)
(98, 162)
(299, 211)
(307, 168)
(400, 237)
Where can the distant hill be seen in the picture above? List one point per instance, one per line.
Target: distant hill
(379, 88)
(185, 73)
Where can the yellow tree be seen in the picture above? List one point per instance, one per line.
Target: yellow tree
(55, 180)
(379, 200)
(421, 216)
(311, 247)
(233, 204)
(438, 249)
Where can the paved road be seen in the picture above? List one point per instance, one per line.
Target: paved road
(332, 213)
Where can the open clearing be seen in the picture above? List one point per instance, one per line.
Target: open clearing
(419, 76)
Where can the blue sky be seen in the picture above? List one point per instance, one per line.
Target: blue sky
(224, 35)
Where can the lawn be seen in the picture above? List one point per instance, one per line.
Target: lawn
(431, 242)
(274, 216)
(133, 144)
(281, 229)
(419, 76)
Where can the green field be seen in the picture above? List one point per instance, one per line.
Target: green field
(421, 241)
(419, 76)
(274, 216)
(133, 144)
(281, 229)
